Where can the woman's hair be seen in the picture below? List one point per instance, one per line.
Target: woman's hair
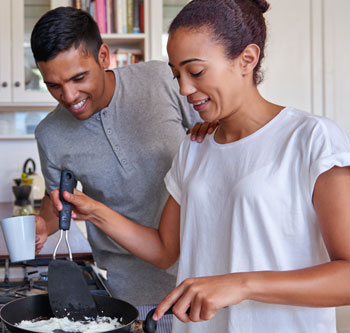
(60, 29)
(232, 23)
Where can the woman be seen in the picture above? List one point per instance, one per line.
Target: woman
(258, 212)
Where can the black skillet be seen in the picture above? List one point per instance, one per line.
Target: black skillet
(32, 307)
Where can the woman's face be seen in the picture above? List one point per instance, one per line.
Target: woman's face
(210, 81)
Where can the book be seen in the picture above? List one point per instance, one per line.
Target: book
(121, 16)
(129, 15)
(142, 16)
(109, 16)
(136, 17)
(101, 15)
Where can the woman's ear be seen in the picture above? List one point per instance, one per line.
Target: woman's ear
(249, 58)
(103, 56)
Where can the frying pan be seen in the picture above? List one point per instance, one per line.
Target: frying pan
(32, 307)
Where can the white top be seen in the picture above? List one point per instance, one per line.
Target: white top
(247, 206)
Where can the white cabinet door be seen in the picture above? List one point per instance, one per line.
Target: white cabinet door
(27, 84)
(337, 56)
(5, 51)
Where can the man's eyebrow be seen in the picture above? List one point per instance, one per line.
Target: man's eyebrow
(187, 61)
(70, 79)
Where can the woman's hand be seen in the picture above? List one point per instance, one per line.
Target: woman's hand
(204, 295)
(83, 206)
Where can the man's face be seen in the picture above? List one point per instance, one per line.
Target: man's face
(78, 82)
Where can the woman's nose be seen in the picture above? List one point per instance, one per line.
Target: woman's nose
(186, 87)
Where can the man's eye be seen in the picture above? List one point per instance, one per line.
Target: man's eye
(197, 74)
(52, 86)
(79, 78)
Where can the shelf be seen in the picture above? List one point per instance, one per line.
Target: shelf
(18, 137)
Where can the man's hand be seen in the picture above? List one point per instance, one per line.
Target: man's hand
(41, 233)
(201, 129)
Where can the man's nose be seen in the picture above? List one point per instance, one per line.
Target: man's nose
(70, 94)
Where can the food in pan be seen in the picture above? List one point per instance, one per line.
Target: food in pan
(100, 324)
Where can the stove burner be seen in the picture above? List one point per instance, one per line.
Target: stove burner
(31, 278)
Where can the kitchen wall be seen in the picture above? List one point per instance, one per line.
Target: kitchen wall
(13, 154)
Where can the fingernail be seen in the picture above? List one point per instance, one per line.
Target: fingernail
(199, 139)
(210, 130)
(155, 317)
(193, 138)
(37, 238)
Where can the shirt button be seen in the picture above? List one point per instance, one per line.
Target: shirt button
(117, 148)
(124, 161)
(109, 131)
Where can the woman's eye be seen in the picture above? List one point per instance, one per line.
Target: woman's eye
(176, 77)
(197, 74)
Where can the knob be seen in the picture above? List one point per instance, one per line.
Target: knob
(17, 84)
(4, 84)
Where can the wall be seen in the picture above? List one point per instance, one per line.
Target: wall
(13, 155)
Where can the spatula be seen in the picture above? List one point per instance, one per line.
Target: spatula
(68, 291)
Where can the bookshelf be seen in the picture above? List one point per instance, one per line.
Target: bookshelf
(123, 25)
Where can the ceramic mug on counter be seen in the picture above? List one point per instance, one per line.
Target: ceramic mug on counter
(19, 234)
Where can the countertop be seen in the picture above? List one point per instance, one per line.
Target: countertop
(79, 245)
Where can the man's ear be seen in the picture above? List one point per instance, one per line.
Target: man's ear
(103, 56)
(249, 58)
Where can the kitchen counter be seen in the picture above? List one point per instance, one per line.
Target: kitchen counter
(79, 245)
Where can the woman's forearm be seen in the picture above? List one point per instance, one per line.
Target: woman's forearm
(320, 286)
(146, 243)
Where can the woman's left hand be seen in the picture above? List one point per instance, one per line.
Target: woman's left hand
(204, 296)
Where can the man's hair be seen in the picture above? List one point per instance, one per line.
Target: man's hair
(60, 29)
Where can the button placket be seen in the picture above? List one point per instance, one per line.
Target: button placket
(106, 122)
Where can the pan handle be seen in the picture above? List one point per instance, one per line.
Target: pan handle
(149, 325)
(67, 183)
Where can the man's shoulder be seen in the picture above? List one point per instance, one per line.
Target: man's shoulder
(149, 69)
(53, 122)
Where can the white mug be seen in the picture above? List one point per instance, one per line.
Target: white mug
(19, 234)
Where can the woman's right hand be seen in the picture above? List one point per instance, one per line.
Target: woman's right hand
(83, 206)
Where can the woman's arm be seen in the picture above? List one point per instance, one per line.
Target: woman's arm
(159, 247)
(320, 286)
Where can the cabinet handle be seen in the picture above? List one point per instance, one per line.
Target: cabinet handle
(17, 84)
(4, 84)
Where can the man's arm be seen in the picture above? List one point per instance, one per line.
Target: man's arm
(46, 222)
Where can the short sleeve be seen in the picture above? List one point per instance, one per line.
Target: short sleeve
(174, 178)
(50, 172)
(331, 147)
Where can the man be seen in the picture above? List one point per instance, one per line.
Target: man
(118, 131)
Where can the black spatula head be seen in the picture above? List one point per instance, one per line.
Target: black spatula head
(69, 294)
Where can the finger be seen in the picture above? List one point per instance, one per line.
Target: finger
(167, 302)
(202, 132)
(194, 131)
(55, 198)
(212, 126)
(196, 306)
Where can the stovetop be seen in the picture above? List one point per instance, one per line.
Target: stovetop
(30, 278)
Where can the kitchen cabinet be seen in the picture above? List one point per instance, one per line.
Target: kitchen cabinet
(20, 81)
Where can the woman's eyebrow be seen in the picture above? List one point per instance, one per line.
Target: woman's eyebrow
(187, 61)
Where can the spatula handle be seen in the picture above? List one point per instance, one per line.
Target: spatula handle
(68, 184)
